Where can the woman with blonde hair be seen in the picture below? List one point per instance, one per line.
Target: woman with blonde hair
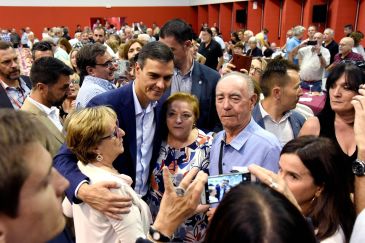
(94, 136)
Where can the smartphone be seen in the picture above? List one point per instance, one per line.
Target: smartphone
(241, 62)
(217, 186)
(312, 43)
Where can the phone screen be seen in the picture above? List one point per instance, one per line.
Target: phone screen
(218, 186)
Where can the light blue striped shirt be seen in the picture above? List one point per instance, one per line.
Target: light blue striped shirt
(253, 145)
(90, 88)
(145, 132)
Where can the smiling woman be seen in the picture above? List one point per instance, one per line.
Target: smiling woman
(183, 148)
(93, 134)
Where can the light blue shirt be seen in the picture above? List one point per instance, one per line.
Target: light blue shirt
(253, 145)
(290, 45)
(145, 132)
(91, 87)
(180, 82)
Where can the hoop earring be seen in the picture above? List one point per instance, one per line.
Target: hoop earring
(99, 157)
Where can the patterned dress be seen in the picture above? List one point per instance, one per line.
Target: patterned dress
(179, 162)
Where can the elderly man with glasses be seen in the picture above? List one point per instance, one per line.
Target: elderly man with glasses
(97, 69)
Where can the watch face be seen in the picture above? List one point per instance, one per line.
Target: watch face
(156, 236)
(358, 168)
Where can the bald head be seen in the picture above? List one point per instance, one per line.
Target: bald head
(318, 37)
(241, 78)
(345, 45)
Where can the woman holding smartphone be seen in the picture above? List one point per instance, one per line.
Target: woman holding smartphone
(313, 180)
(184, 147)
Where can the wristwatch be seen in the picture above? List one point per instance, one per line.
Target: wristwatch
(358, 167)
(158, 236)
(319, 54)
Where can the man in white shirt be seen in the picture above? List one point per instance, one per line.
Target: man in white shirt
(280, 85)
(313, 61)
(51, 81)
(99, 37)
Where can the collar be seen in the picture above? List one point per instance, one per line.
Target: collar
(189, 73)
(238, 142)
(264, 114)
(100, 81)
(21, 84)
(137, 106)
(45, 109)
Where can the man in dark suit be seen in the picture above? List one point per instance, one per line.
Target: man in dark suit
(191, 76)
(14, 88)
(137, 106)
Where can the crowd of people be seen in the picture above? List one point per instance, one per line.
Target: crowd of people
(117, 131)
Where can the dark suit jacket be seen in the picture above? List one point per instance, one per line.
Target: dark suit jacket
(296, 120)
(4, 99)
(204, 81)
(121, 100)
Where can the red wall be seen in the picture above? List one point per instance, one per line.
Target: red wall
(39, 17)
(340, 12)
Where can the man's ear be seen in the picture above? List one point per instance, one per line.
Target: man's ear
(253, 100)
(90, 70)
(276, 92)
(188, 43)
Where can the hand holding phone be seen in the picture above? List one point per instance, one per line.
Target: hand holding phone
(218, 186)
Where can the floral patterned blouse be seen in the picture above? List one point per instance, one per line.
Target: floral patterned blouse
(179, 162)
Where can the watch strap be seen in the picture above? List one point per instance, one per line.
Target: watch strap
(358, 167)
(158, 236)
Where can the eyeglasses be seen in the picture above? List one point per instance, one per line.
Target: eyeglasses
(184, 116)
(256, 70)
(108, 64)
(115, 134)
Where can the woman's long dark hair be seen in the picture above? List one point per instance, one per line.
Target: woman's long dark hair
(354, 77)
(333, 208)
(255, 213)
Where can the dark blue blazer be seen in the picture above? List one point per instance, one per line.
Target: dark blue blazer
(296, 119)
(121, 101)
(204, 82)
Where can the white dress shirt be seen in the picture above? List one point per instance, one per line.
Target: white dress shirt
(282, 129)
(53, 113)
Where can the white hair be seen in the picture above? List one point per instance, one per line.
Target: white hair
(298, 30)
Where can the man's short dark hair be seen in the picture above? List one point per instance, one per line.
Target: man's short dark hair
(18, 130)
(178, 29)
(47, 70)
(41, 46)
(4, 45)
(155, 51)
(276, 73)
(349, 26)
(87, 55)
(208, 30)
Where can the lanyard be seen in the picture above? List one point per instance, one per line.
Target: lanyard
(14, 101)
(220, 166)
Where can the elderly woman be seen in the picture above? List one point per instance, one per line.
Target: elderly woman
(336, 120)
(254, 50)
(312, 179)
(183, 148)
(93, 134)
